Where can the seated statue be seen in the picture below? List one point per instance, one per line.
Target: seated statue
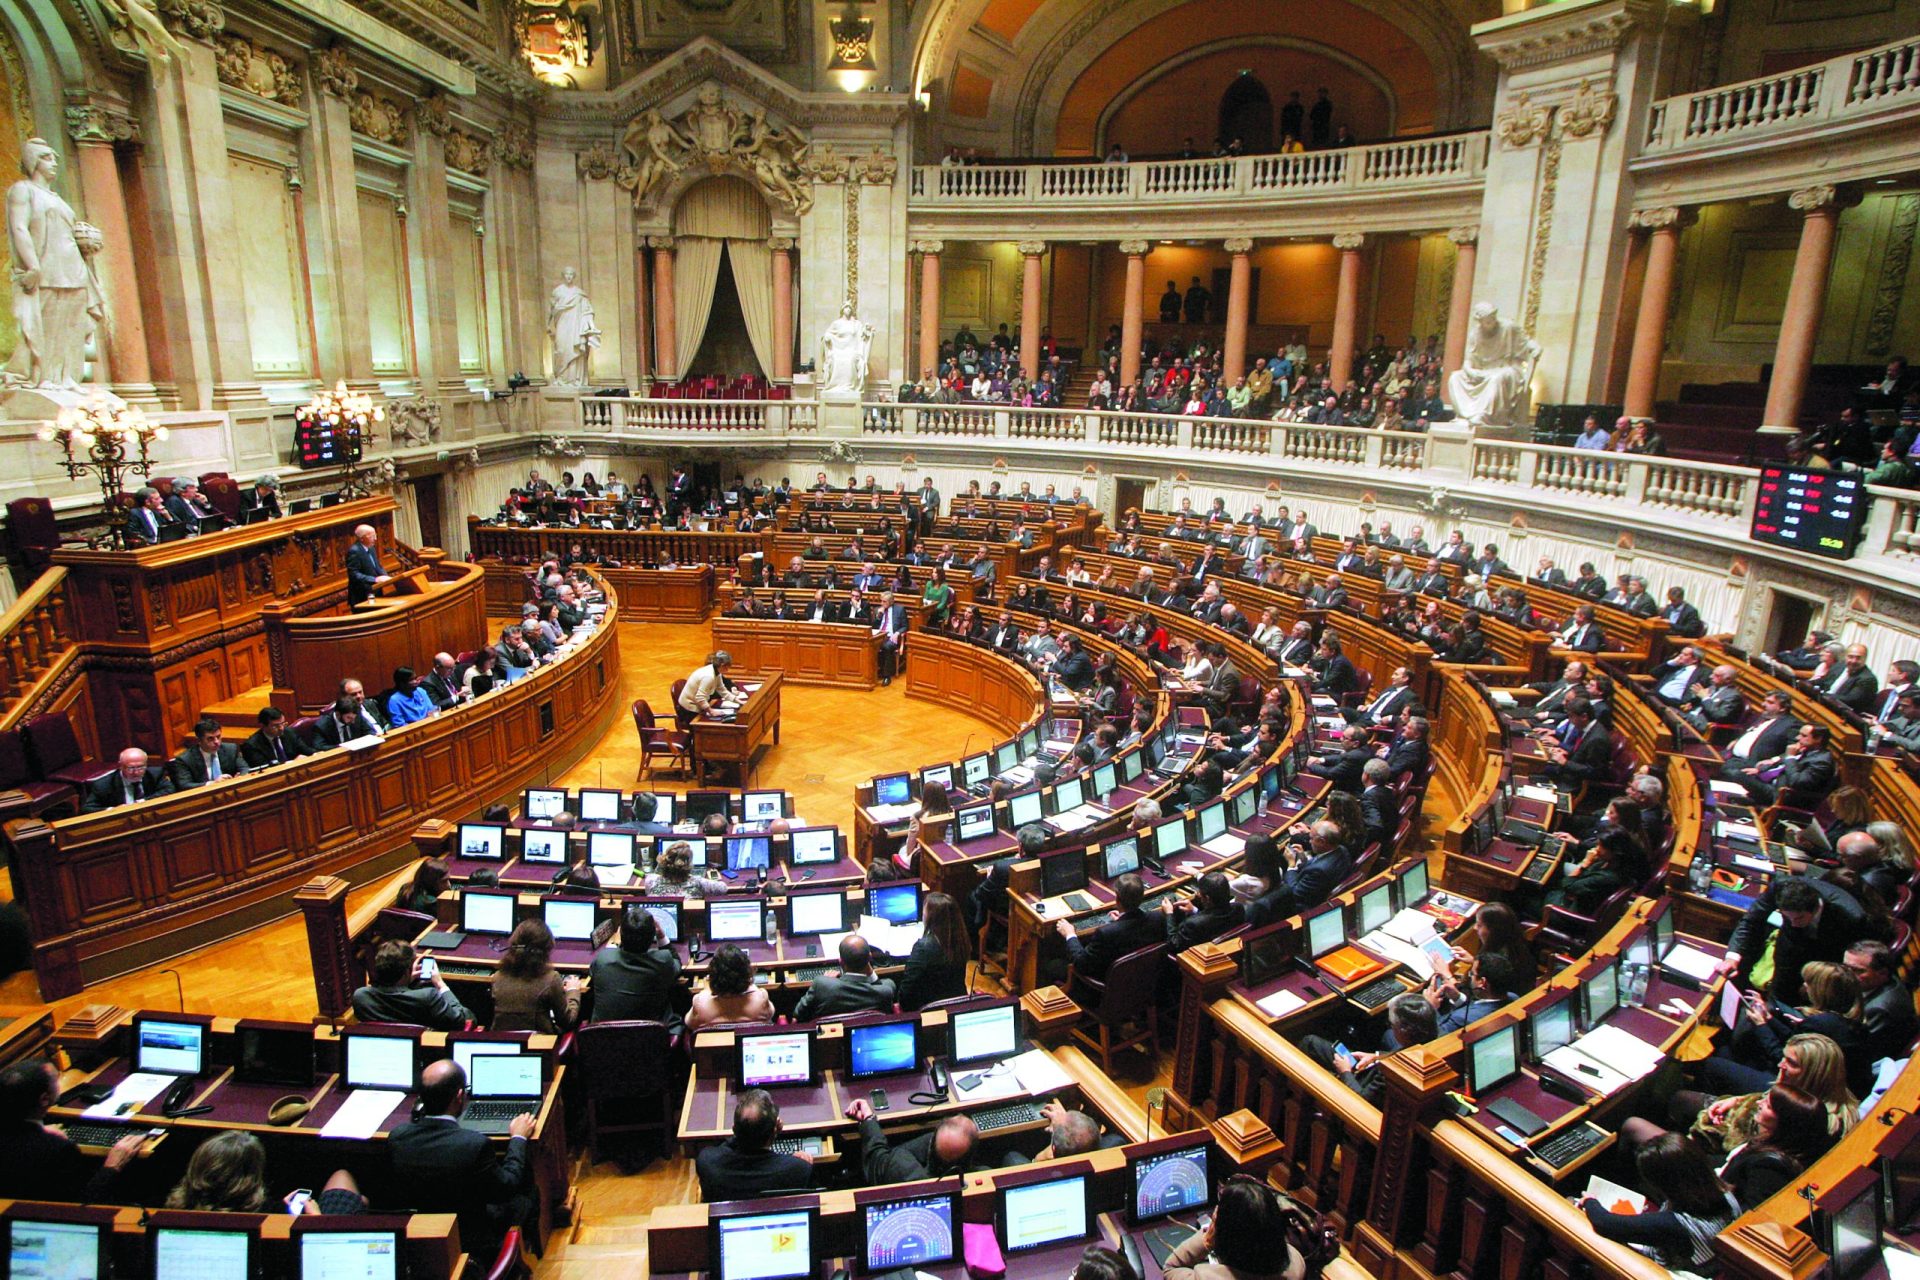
(1492, 387)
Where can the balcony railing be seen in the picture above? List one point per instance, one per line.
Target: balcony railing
(1854, 86)
(1457, 159)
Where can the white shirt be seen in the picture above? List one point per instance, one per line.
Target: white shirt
(703, 688)
(1743, 745)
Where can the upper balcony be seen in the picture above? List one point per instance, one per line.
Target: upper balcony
(1414, 185)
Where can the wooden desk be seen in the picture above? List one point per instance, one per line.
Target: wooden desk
(738, 743)
(829, 653)
(683, 594)
(532, 543)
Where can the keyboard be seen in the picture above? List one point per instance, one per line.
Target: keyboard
(89, 1133)
(493, 1112)
(794, 1146)
(1020, 1113)
(807, 973)
(1376, 993)
(1562, 1149)
(1539, 869)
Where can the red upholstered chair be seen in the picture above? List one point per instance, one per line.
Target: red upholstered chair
(221, 493)
(34, 533)
(56, 754)
(508, 1263)
(1128, 994)
(675, 746)
(16, 775)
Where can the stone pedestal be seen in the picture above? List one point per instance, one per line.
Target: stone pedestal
(559, 410)
(43, 404)
(1450, 449)
(839, 415)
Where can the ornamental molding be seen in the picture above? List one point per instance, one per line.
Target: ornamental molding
(469, 152)
(514, 146)
(1666, 218)
(1032, 248)
(597, 163)
(1523, 123)
(1349, 241)
(1135, 248)
(714, 135)
(934, 247)
(1238, 245)
(333, 72)
(1464, 235)
(96, 123)
(241, 64)
(193, 19)
(1544, 36)
(780, 244)
(379, 118)
(435, 115)
(1893, 274)
(1823, 198)
(660, 242)
(1591, 110)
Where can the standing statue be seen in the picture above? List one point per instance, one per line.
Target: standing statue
(574, 335)
(1493, 385)
(56, 299)
(843, 354)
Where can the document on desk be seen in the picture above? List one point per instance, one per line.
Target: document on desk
(1038, 1073)
(1620, 1051)
(139, 1088)
(1615, 1198)
(1544, 795)
(1691, 962)
(1570, 1062)
(1281, 1003)
(886, 813)
(365, 742)
(362, 1114)
(1384, 944)
(998, 1083)
(895, 939)
(1720, 788)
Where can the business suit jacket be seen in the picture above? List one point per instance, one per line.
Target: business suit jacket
(107, 792)
(824, 611)
(330, 733)
(848, 993)
(1431, 584)
(896, 616)
(1006, 638)
(1325, 599)
(38, 1165)
(250, 500)
(646, 985)
(1472, 648)
(1806, 779)
(363, 573)
(1314, 881)
(187, 513)
(1345, 769)
(144, 524)
(1890, 1021)
(1380, 806)
(1553, 577)
(447, 1169)
(1588, 638)
(1684, 620)
(1667, 670)
(1590, 757)
(1408, 755)
(1839, 924)
(1196, 927)
(1861, 692)
(416, 1004)
(883, 1161)
(260, 751)
(1772, 742)
(1383, 706)
(1592, 586)
(1337, 677)
(1296, 652)
(1400, 579)
(1721, 704)
(189, 768)
(443, 691)
(1093, 956)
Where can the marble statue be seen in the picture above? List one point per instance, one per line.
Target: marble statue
(574, 335)
(1493, 386)
(843, 354)
(57, 301)
(658, 149)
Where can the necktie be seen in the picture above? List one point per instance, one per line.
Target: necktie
(213, 767)
(134, 793)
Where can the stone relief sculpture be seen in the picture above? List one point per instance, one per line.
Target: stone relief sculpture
(724, 139)
(844, 348)
(1492, 387)
(56, 299)
(571, 328)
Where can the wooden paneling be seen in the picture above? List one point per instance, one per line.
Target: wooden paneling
(803, 652)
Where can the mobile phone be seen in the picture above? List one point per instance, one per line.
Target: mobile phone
(297, 1202)
(877, 1099)
(429, 968)
(1341, 1051)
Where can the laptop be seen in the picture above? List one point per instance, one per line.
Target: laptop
(502, 1086)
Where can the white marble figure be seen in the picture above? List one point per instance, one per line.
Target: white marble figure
(571, 328)
(1493, 385)
(844, 348)
(56, 300)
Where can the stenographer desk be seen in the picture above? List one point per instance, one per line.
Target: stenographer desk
(830, 653)
(738, 741)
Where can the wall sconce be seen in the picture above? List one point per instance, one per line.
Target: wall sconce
(852, 64)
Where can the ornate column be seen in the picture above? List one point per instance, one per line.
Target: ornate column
(1656, 302)
(1031, 252)
(1133, 313)
(1466, 245)
(1239, 301)
(929, 251)
(782, 247)
(642, 304)
(343, 327)
(1806, 300)
(430, 229)
(665, 366)
(95, 130)
(1346, 308)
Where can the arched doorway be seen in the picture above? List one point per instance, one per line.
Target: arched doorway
(720, 230)
(1246, 113)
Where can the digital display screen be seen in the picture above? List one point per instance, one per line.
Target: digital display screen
(763, 806)
(1023, 809)
(1245, 803)
(1119, 857)
(1171, 1182)
(320, 444)
(939, 775)
(1044, 1213)
(275, 1055)
(735, 921)
(1005, 756)
(782, 1057)
(882, 1048)
(1376, 908)
(610, 849)
(896, 903)
(1602, 994)
(1063, 873)
(1029, 742)
(667, 912)
(41, 1250)
(1552, 1027)
(1492, 1059)
(349, 1255)
(1170, 839)
(543, 846)
(380, 1062)
(506, 1075)
(478, 840)
(910, 1233)
(542, 804)
(170, 1048)
(1211, 823)
(569, 919)
(1819, 512)
(973, 822)
(465, 1051)
(983, 1035)
(702, 805)
(180, 1254)
(1413, 886)
(974, 771)
(1326, 932)
(817, 913)
(813, 846)
(747, 852)
(765, 1246)
(1106, 779)
(1068, 795)
(1130, 766)
(892, 788)
(486, 912)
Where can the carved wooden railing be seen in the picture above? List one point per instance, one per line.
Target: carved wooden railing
(36, 641)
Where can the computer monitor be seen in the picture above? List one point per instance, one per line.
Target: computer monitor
(1044, 1213)
(483, 911)
(1119, 856)
(883, 1048)
(1029, 743)
(1068, 794)
(598, 805)
(544, 845)
(1600, 995)
(702, 805)
(507, 1075)
(1005, 756)
(769, 1059)
(763, 806)
(666, 911)
(1244, 806)
(1170, 839)
(1209, 822)
(360, 1251)
(541, 803)
(269, 1053)
(1326, 932)
(1853, 1234)
(1663, 931)
(1063, 873)
(611, 849)
(48, 1241)
(813, 846)
(986, 1033)
(1374, 908)
(1024, 809)
(939, 775)
(1167, 1182)
(898, 902)
(776, 1245)
(1413, 885)
(736, 920)
(974, 822)
(379, 1060)
(1551, 1027)
(483, 840)
(169, 1047)
(745, 853)
(975, 770)
(817, 913)
(464, 1049)
(665, 804)
(918, 1231)
(1106, 780)
(569, 919)
(200, 1252)
(893, 788)
(1493, 1058)
(1132, 765)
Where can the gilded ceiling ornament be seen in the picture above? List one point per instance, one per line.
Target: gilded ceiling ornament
(333, 72)
(1524, 123)
(381, 119)
(1590, 112)
(241, 64)
(556, 39)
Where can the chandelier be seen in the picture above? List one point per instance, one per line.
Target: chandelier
(107, 438)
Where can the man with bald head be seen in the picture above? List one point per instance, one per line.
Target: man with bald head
(948, 1150)
(365, 577)
(1328, 862)
(135, 780)
(445, 1168)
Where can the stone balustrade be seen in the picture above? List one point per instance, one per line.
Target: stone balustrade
(1851, 88)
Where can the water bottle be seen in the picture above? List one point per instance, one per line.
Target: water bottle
(1642, 979)
(773, 928)
(1701, 874)
(1260, 804)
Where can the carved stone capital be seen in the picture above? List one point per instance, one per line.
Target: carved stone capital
(1238, 245)
(1591, 110)
(241, 64)
(934, 247)
(435, 114)
(1666, 218)
(1464, 235)
(1523, 123)
(514, 146)
(469, 151)
(381, 119)
(1031, 248)
(598, 162)
(1349, 241)
(1823, 197)
(194, 19)
(780, 244)
(94, 124)
(333, 72)
(1135, 248)
(661, 243)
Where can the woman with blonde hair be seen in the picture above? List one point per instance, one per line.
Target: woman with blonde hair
(1811, 1063)
(1832, 1008)
(1893, 843)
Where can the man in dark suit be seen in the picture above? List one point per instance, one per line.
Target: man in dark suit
(821, 609)
(206, 759)
(1589, 584)
(1818, 921)
(1391, 702)
(1583, 634)
(1676, 679)
(1888, 1005)
(1333, 672)
(187, 505)
(148, 517)
(443, 682)
(1587, 750)
(1211, 913)
(135, 780)
(1547, 572)
(1410, 1021)
(1327, 863)
(1125, 930)
(1718, 702)
(1767, 737)
(1801, 776)
(36, 1163)
(890, 627)
(1682, 618)
(1330, 594)
(1852, 684)
(1298, 649)
(853, 990)
(447, 1169)
(399, 994)
(1004, 635)
(365, 577)
(271, 743)
(263, 496)
(945, 1152)
(1379, 803)
(1345, 766)
(350, 717)
(1409, 752)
